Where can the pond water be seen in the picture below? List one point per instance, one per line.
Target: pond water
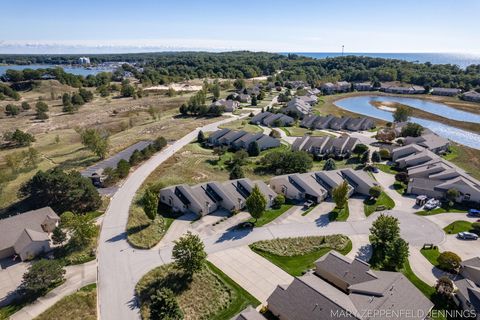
(74, 70)
(362, 105)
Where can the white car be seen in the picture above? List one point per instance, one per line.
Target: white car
(431, 204)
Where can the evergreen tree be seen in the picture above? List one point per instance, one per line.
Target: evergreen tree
(200, 137)
(330, 165)
(253, 149)
(256, 203)
(150, 204)
(164, 306)
(236, 172)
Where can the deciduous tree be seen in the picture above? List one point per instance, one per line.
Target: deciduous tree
(256, 203)
(189, 253)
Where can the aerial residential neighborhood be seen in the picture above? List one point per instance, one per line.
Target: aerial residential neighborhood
(190, 160)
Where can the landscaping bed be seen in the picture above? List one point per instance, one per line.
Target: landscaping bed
(80, 305)
(296, 255)
(384, 202)
(210, 294)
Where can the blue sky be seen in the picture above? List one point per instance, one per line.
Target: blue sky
(301, 25)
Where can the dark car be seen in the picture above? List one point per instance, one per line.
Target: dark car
(244, 225)
(474, 212)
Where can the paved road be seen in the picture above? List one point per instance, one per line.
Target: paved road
(119, 265)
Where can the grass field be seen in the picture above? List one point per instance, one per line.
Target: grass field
(386, 168)
(82, 305)
(458, 226)
(127, 120)
(296, 265)
(384, 200)
(466, 158)
(242, 125)
(210, 294)
(300, 132)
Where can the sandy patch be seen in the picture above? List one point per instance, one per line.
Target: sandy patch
(176, 87)
(386, 108)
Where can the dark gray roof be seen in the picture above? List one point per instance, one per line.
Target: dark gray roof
(470, 291)
(248, 314)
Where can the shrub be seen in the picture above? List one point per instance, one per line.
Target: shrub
(375, 192)
(278, 201)
(402, 177)
(449, 261)
(123, 168)
(384, 154)
(41, 276)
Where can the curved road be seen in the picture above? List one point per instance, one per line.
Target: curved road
(120, 266)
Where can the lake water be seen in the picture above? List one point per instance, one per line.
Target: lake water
(460, 59)
(74, 70)
(362, 105)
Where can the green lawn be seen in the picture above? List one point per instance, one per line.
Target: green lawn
(339, 214)
(210, 294)
(458, 226)
(271, 215)
(457, 208)
(384, 200)
(7, 311)
(431, 255)
(82, 305)
(386, 168)
(297, 265)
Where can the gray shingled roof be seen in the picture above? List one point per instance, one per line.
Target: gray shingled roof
(11, 228)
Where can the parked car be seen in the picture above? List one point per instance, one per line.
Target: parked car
(244, 225)
(308, 204)
(431, 204)
(474, 212)
(467, 236)
(375, 170)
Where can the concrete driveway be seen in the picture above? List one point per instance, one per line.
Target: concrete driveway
(466, 249)
(444, 219)
(11, 275)
(250, 271)
(404, 203)
(178, 227)
(356, 209)
(361, 247)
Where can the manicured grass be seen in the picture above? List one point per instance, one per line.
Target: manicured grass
(386, 168)
(431, 255)
(210, 294)
(80, 305)
(351, 162)
(454, 209)
(458, 226)
(271, 215)
(297, 265)
(370, 206)
(339, 214)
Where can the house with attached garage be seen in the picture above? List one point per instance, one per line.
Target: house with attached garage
(341, 288)
(363, 86)
(272, 119)
(467, 296)
(241, 139)
(433, 176)
(430, 141)
(340, 147)
(473, 96)
(27, 234)
(228, 105)
(205, 198)
(297, 107)
(450, 92)
(316, 186)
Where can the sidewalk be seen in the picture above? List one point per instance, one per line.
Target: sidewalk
(76, 278)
